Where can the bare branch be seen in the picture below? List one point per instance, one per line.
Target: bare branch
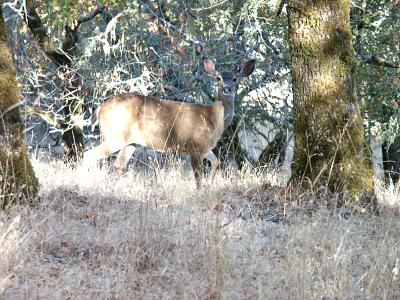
(209, 7)
(45, 115)
(167, 23)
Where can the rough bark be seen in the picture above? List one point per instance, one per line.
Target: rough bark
(17, 178)
(329, 136)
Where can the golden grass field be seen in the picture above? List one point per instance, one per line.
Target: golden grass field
(152, 235)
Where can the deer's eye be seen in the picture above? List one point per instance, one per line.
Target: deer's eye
(219, 78)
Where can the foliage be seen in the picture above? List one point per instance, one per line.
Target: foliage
(376, 25)
(149, 47)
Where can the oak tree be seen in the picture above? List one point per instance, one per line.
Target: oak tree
(329, 134)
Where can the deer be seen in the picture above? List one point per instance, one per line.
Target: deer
(130, 119)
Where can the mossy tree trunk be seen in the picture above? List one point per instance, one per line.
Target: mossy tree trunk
(17, 178)
(329, 134)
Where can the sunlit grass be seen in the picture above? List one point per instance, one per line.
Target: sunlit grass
(151, 234)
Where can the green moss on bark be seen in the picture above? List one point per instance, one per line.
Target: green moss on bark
(329, 133)
(17, 178)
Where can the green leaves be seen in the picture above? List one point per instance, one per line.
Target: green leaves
(377, 29)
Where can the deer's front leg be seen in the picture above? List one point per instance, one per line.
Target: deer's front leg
(197, 169)
(214, 164)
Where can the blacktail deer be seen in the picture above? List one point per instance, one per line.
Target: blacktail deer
(130, 119)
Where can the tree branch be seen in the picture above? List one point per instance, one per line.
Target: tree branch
(374, 60)
(71, 33)
(280, 7)
(60, 58)
(35, 25)
(45, 115)
(167, 23)
(91, 15)
(369, 59)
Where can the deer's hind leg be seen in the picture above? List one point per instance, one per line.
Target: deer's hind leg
(123, 158)
(90, 157)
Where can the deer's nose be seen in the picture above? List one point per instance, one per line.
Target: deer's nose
(227, 89)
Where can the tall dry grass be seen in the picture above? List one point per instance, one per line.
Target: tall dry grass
(145, 235)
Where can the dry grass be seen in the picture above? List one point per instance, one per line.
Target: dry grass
(100, 236)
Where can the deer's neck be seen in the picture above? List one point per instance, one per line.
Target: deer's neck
(229, 110)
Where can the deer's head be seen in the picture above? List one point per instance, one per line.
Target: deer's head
(228, 81)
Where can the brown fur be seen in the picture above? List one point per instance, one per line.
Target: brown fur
(162, 125)
(165, 125)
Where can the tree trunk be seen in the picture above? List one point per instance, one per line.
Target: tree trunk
(229, 145)
(17, 178)
(329, 134)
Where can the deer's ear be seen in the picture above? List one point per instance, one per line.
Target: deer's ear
(247, 68)
(209, 66)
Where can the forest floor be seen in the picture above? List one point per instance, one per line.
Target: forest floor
(98, 235)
